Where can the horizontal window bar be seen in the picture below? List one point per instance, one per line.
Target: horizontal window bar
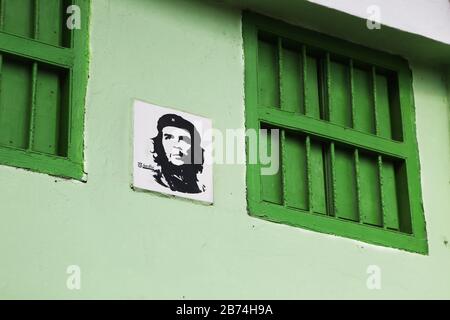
(35, 50)
(40, 162)
(343, 228)
(332, 132)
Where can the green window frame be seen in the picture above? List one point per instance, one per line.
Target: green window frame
(43, 79)
(348, 150)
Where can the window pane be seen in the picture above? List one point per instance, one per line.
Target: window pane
(15, 102)
(268, 74)
(19, 17)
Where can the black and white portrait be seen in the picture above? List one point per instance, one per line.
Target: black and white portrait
(170, 148)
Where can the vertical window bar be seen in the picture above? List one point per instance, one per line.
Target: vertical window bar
(329, 156)
(382, 196)
(34, 76)
(34, 79)
(304, 77)
(283, 167)
(308, 111)
(33, 105)
(2, 13)
(374, 100)
(308, 164)
(283, 132)
(36, 19)
(331, 180)
(358, 185)
(356, 152)
(380, 160)
(352, 93)
(326, 90)
(280, 71)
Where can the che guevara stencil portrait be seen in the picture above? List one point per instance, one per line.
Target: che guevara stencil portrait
(170, 152)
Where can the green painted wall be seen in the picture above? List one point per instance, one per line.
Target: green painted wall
(188, 55)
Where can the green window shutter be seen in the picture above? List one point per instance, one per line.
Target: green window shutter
(349, 161)
(43, 77)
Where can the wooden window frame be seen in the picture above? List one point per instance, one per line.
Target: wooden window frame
(75, 60)
(406, 149)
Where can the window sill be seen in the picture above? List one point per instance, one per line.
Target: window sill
(339, 227)
(42, 163)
